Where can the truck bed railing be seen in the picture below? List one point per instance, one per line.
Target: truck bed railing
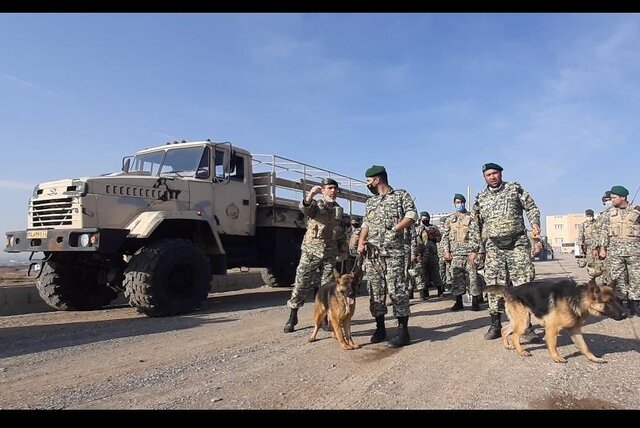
(281, 181)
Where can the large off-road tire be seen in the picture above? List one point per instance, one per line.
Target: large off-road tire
(69, 287)
(278, 277)
(167, 277)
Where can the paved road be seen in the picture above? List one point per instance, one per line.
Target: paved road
(232, 354)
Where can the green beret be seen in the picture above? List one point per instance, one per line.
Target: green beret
(589, 212)
(425, 214)
(459, 196)
(375, 170)
(491, 165)
(619, 190)
(329, 182)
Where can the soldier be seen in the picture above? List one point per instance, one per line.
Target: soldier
(499, 211)
(461, 242)
(595, 237)
(424, 254)
(620, 243)
(389, 216)
(323, 241)
(595, 266)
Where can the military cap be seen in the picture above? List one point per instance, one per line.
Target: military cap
(589, 212)
(424, 214)
(619, 190)
(607, 195)
(375, 170)
(329, 182)
(491, 165)
(459, 196)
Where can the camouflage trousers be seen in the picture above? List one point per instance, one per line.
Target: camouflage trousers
(444, 269)
(507, 267)
(626, 270)
(307, 277)
(430, 272)
(388, 275)
(464, 275)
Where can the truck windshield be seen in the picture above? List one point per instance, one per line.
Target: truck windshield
(182, 162)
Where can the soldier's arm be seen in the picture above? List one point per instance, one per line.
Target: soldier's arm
(414, 242)
(603, 230)
(474, 236)
(410, 212)
(530, 207)
(477, 216)
(446, 231)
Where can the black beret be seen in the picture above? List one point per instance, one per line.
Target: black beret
(619, 190)
(374, 170)
(459, 196)
(424, 214)
(589, 212)
(491, 165)
(607, 195)
(329, 182)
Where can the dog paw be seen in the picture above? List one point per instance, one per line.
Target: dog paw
(598, 360)
(355, 346)
(559, 360)
(311, 339)
(524, 354)
(509, 347)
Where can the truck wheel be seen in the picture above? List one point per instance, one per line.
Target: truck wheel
(168, 277)
(73, 288)
(278, 277)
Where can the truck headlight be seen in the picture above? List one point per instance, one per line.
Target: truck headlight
(84, 240)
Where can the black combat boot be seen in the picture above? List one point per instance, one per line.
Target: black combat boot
(633, 307)
(458, 306)
(440, 291)
(402, 339)
(292, 321)
(381, 333)
(475, 302)
(424, 293)
(530, 336)
(495, 328)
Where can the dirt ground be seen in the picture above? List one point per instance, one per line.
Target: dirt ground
(232, 354)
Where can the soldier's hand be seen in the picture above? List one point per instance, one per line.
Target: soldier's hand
(602, 254)
(360, 248)
(536, 229)
(315, 190)
(447, 256)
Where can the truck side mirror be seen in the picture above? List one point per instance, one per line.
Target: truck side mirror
(126, 164)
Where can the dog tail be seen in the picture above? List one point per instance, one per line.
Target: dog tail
(498, 290)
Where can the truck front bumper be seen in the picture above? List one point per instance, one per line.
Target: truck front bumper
(88, 240)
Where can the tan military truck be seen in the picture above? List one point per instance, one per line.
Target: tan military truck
(173, 216)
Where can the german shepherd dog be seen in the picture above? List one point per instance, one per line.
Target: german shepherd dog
(338, 303)
(558, 304)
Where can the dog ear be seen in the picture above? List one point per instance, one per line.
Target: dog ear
(613, 283)
(592, 287)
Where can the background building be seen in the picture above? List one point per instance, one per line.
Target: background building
(562, 231)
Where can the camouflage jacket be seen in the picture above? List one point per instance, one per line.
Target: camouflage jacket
(461, 234)
(620, 231)
(385, 211)
(585, 234)
(325, 232)
(500, 212)
(597, 227)
(425, 240)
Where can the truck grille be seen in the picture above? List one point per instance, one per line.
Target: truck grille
(51, 212)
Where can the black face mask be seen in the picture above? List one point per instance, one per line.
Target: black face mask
(372, 189)
(425, 222)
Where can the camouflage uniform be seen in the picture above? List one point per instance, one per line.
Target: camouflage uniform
(323, 241)
(381, 214)
(595, 266)
(444, 267)
(499, 213)
(595, 244)
(461, 237)
(620, 234)
(424, 246)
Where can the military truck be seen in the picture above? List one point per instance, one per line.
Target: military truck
(170, 218)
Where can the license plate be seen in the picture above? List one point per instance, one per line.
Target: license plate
(36, 234)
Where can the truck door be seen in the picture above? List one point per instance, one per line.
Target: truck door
(234, 201)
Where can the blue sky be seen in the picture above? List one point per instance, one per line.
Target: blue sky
(553, 98)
